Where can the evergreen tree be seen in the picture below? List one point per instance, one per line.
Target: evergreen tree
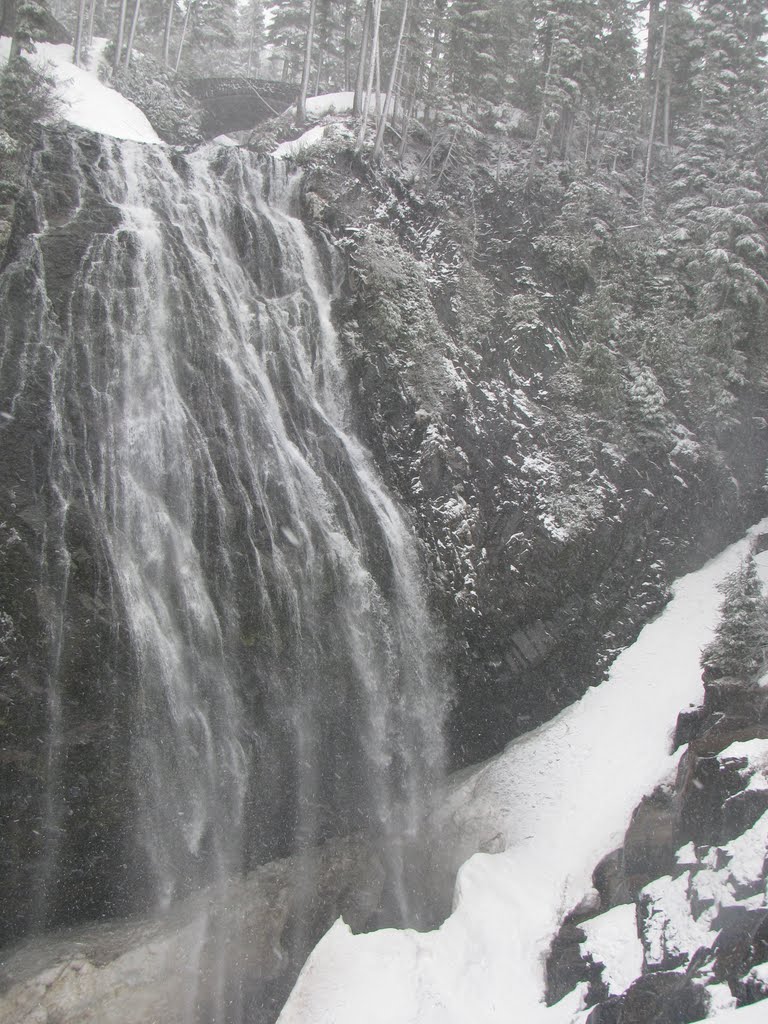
(251, 32)
(29, 22)
(287, 35)
(587, 56)
(478, 33)
(716, 213)
(737, 648)
(212, 36)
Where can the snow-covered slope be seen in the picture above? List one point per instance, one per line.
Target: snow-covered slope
(557, 800)
(86, 101)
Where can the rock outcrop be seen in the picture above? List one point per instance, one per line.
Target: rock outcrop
(689, 881)
(552, 522)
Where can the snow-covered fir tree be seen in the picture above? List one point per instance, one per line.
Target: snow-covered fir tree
(738, 646)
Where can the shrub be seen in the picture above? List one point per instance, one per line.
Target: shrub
(169, 109)
(27, 97)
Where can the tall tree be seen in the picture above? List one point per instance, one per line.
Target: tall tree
(372, 64)
(739, 644)
(390, 85)
(301, 105)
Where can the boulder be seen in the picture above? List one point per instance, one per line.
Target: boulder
(610, 880)
(565, 965)
(742, 942)
(664, 999)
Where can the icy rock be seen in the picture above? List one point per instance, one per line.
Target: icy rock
(686, 856)
(743, 938)
(670, 934)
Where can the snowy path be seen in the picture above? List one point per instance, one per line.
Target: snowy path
(559, 798)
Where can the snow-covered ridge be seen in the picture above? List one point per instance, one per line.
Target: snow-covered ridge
(85, 100)
(556, 801)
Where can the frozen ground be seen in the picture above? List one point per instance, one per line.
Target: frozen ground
(86, 101)
(556, 801)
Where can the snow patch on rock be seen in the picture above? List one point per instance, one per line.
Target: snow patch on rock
(612, 940)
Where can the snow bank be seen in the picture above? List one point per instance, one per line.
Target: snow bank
(757, 1014)
(85, 100)
(330, 103)
(311, 138)
(558, 799)
(306, 141)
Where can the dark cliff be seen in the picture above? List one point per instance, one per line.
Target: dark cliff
(563, 460)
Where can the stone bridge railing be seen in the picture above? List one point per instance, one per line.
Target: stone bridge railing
(238, 102)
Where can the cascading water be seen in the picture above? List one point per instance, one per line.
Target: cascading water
(237, 661)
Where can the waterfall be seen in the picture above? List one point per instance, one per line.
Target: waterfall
(234, 659)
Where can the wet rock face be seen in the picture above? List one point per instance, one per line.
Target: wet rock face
(650, 840)
(92, 790)
(694, 866)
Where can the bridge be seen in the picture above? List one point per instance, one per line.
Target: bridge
(238, 103)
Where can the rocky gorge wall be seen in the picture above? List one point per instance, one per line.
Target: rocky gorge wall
(557, 483)
(686, 890)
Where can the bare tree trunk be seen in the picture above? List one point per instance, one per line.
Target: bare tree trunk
(91, 19)
(649, 62)
(667, 109)
(650, 46)
(132, 33)
(167, 34)
(409, 114)
(371, 67)
(320, 59)
(301, 105)
(377, 57)
(347, 44)
(77, 54)
(434, 59)
(399, 98)
(390, 87)
(120, 34)
(357, 104)
(655, 109)
(184, 28)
